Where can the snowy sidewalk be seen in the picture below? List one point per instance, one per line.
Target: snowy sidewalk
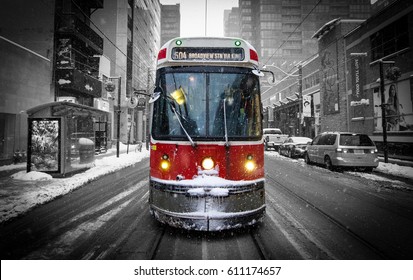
(20, 191)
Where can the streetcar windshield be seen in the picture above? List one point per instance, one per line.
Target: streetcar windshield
(207, 102)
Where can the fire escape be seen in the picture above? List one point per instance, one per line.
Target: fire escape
(77, 44)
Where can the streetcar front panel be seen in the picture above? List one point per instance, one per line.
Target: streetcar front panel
(207, 156)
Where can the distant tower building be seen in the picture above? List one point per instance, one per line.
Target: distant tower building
(170, 22)
(232, 23)
(273, 27)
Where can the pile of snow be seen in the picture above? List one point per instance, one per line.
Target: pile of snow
(31, 176)
(397, 170)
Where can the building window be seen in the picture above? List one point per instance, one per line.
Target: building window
(390, 39)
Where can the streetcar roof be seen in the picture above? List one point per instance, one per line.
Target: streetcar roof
(227, 51)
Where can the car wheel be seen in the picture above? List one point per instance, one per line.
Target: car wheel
(367, 169)
(328, 163)
(307, 158)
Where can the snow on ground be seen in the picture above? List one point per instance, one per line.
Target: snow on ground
(34, 188)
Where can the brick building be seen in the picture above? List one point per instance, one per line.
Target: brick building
(343, 81)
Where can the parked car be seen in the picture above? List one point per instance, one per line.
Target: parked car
(273, 138)
(342, 149)
(294, 146)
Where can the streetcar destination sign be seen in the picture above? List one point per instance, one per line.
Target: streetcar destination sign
(209, 54)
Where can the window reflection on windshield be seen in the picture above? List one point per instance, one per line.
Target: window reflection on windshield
(199, 99)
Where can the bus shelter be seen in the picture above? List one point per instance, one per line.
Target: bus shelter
(61, 137)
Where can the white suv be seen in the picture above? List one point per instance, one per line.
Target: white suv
(342, 149)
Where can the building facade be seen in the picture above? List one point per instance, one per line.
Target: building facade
(170, 22)
(132, 29)
(275, 29)
(26, 80)
(342, 82)
(232, 23)
(56, 33)
(388, 37)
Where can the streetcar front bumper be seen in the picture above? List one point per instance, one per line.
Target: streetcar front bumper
(207, 208)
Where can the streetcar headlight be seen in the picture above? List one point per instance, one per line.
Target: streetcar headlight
(250, 164)
(165, 163)
(207, 163)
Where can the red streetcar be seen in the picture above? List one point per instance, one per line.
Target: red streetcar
(207, 155)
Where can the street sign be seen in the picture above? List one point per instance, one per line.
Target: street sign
(132, 102)
(141, 102)
(306, 106)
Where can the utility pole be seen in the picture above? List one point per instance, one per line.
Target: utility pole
(383, 107)
(300, 99)
(383, 113)
(118, 121)
(206, 16)
(147, 131)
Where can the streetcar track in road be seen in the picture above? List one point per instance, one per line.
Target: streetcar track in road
(301, 250)
(97, 250)
(88, 224)
(245, 243)
(65, 244)
(157, 243)
(109, 203)
(264, 255)
(335, 221)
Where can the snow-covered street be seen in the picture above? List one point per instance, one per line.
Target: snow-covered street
(35, 188)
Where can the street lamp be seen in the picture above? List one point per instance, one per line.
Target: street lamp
(110, 87)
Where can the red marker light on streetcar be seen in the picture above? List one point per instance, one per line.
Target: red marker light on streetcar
(162, 54)
(253, 55)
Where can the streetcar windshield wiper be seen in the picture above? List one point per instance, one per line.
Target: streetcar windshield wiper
(225, 123)
(178, 117)
(179, 97)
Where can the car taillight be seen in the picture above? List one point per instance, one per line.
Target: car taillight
(162, 54)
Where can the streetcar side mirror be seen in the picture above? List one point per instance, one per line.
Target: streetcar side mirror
(155, 96)
(257, 72)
